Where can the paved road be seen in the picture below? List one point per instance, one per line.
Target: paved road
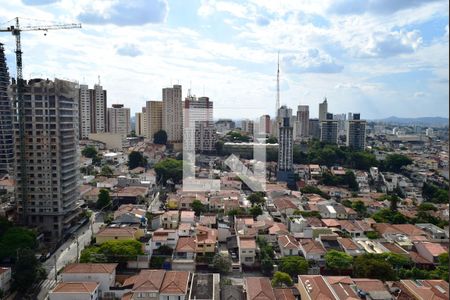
(67, 253)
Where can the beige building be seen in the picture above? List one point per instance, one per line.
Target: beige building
(140, 123)
(92, 110)
(111, 141)
(119, 120)
(153, 118)
(172, 113)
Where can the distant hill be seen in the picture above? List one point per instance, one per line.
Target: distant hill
(429, 121)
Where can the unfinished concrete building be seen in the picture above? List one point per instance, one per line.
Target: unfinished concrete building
(6, 139)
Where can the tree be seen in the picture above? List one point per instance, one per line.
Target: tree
(169, 168)
(104, 199)
(395, 162)
(271, 140)
(198, 207)
(267, 266)
(427, 206)
(160, 137)
(394, 199)
(256, 211)
(221, 263)
(350, 180)
(386, 215)
(373, 266)
(337, 260)
(293, 265)
(16, 238)
(112, 251)
(219, 147)
(136, 159)
(280, 278)
(372, 235)
(89, 152)
(164, 250)
(256, 198)
(27, 270)
(359, 207)
(309, 189)
(106, 171)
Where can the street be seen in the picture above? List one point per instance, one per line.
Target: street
(67, 253)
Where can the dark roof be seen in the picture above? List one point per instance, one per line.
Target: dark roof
(231, 292)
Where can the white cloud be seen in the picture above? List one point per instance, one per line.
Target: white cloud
(382, 44)
(311, 61)
(209, 7)
(419, 95)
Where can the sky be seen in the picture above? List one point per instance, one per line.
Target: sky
(377, 57)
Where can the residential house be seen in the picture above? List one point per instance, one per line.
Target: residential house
(312, 250)
(118, 233)
(423, 289)
(184, 254)
(208, 220)
(284, 205)
(185, 229)
(350, 247)
(103, 274)
(430, 251)
(205, 287)
(158, 285)
(169, 219)
(288, 245)
(75, 290)
(187, 216)
(206, 239)
(247, 250)
(168, 237)
(372, 289)
(258, 288)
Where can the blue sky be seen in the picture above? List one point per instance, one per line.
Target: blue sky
(376, 57)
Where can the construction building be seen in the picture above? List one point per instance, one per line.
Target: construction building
(6, 130)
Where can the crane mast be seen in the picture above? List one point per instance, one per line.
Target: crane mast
(15, 31)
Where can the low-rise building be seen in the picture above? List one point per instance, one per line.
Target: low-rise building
(75, 290)
(288, 245)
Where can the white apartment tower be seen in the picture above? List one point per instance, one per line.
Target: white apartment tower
(200, 112)
(356, 133)
(172, 113)
(93, 110)
(49, 200)
(119, 120)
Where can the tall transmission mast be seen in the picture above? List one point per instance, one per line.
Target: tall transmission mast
(16, 31)
(278, 87)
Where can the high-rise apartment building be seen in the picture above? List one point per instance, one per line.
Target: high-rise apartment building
(153, 118)
(285, 150)
(139, 123)
(172, 115)
(329, 130)
(119, 121)
(6, 130)
(314, 129)
(199, 111)
(302, 122)
(356, 132)
(247, 126)
(47, 192)
(342, 124)
(323, 110)
(265, 126)
(92, 110)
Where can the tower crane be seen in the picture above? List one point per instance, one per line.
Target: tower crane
(16, 31)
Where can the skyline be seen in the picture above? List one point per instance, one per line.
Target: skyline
(363, 60)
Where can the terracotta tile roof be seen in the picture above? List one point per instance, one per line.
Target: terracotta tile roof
(313, 247)
(319, 288)
(75, 287)
(341, 286)
(284, 203)
(184, 226)
(175, 282)
(314, 221)
(206, 235)
(187, 214)
(90, 268)
(331, 223)
(117, 231)
(186, 244)
(127, 296)
(284, 294)
(278, 228)
(208, 220)
(247, 243)
(419, 259)
(394, 248)
(259, 288)
(434, 249)
(288, 242)
(427, 289)
(146, 281)
(370, 285)
(348, 244)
